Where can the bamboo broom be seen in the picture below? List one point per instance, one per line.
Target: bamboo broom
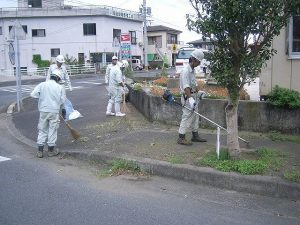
(75, 134)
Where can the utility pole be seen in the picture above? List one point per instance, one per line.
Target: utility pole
(18, 34)
(145, 35)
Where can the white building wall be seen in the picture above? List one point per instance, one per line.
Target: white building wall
(66, 33)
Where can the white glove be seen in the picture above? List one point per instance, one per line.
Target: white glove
(201, 94)
(70, 88)
(106, 81)
(192, 102)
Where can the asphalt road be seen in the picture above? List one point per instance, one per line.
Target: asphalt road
(68, 192)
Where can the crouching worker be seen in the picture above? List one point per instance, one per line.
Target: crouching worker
(190, 98)
(51, 96)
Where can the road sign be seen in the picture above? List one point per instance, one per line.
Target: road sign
(11, 53)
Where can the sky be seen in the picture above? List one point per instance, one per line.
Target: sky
(170, 13)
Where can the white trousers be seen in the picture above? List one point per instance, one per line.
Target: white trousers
(189, 119)
(48, 126)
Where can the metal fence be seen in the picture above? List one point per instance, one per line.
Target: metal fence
(72, 70)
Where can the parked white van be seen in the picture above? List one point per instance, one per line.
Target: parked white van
(136, 64)
(183, 59)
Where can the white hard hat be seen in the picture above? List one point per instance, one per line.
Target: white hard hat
(60, 59)
(57, 73)
(125, 63)
(198, 54)
(114, 57)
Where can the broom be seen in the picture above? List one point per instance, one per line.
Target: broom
(125, 109)
(75, 134)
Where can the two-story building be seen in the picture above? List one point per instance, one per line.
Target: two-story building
(163, 44)
(89, 34)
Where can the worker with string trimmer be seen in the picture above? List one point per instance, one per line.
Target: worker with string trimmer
(190, 98)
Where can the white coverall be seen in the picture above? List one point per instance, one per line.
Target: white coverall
(188, 119)
(51, 96)
(64, 74)
(115, 89)
(109, 66)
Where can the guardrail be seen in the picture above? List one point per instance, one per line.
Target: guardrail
(71, 69)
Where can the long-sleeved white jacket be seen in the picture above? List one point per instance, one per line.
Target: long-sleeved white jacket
(64, 73)
(51, 96)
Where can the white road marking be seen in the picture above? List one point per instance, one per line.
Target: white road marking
(2, 159)
(87, 82)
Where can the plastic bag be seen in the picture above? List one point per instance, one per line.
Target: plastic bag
(71, 113)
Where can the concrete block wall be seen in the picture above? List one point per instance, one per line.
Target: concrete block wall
(252, 116)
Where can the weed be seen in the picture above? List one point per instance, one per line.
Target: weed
(293, 175)
(266, 159)
(176, 159)
(121, 165)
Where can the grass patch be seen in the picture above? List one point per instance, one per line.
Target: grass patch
(277, 136)
(119, 167)
(176, 159)
(267, 159)
(293, 175)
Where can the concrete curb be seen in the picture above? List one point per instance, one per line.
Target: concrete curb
(254, 184)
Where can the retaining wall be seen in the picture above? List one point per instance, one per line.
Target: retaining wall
(252, 115)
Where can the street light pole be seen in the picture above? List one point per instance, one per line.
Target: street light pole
(145, 35)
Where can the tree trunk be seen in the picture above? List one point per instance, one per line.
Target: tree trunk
(232, 128)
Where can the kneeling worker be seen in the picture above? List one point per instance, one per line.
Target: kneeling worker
(51, 97)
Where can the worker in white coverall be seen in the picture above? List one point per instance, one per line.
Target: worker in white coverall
(65, 80)
(51, 97)
(115, 89)
(109, 66)
(190, 98)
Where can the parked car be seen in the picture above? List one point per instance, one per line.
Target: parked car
(183, 58)
(136, 64)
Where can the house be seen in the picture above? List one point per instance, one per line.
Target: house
(163, 44)
(89, 34)
(204, 44)
(283, 69)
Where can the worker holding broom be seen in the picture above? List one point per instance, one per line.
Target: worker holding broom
(65, 80)
(51, 97)
(190, 98)
(115, 89)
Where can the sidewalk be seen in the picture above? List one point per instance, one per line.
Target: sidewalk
(152, 145)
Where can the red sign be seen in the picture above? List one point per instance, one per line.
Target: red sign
(125, 37)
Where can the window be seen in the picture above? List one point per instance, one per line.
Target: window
(116, 34)
(156, 40)
(294, 37)
(89, 29)
(171, 39)
(35, 3)
(0, 30)
(55, 52)
(133, 37)
(38, 33)
(24, 28)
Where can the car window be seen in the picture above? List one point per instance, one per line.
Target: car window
(184, 54)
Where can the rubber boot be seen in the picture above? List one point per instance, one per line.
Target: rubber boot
(52, 151)
(182, 141)
(118, 111)
(64, 113)
(39, 153)
(108, 109)
(196, 137)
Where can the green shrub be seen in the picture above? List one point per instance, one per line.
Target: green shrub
(37, 59)
(284, 98)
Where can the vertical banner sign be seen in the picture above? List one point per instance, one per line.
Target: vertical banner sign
(125, 46)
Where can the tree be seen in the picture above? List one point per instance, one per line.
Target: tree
(232, 25)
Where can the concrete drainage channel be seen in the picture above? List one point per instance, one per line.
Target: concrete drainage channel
(254, 184)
